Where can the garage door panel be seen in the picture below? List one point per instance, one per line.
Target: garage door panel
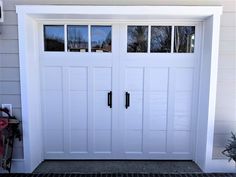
(102, 112)
(134, 79)
(52, 78)
(159, 79)
(79, 141)
(134, 113)
(183, 110)
(54, 141)
(102, 141)
(158, 111)
(133, 141)
(78, 110)
(181, 142)
(184, 79)
(157, 123)
(52, 110)
(78, 78)
(102, 78)
(157, 142)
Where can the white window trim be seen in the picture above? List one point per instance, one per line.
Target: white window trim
(30, 15)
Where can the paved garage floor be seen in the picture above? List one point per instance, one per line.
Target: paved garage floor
(117, 167)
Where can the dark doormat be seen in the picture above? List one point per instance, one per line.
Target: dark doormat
(123, 175)
(117, 167)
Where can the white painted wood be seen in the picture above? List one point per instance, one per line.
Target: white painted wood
(10, 5)
(190, 64)
(1, 11)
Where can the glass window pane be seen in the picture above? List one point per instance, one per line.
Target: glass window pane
(184, 39)
(101, 38)
(137, 39)
(161, 39)
(77, 38)
(54, 38)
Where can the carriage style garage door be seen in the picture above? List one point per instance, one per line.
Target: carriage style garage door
(124, 90)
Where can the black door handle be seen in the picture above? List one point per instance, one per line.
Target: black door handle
(109, 99)
(127, 100)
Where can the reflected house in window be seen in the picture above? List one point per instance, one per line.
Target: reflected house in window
(101, 39)
(77, 38)
(184, 39)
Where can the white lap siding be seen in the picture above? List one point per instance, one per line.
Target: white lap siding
(225, 121)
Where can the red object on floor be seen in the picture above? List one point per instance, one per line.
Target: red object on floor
(3, 124)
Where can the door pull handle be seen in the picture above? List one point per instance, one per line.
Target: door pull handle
(127, 100)
(109, 99)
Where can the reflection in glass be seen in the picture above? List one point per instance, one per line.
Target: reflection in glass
(184, 39)
(161, 39)
(77, 38)
(54, 38)
(137, 39)
(101, 38)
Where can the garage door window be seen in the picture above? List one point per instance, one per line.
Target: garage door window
(137, 39)
(101, 38)
(184, 39)
(161, 39)
(77, 38)
(54, 38)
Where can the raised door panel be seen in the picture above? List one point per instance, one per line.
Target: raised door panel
(157, 120)
(182, 112)
(133, 119)
(78, 109)
(52, 110)
(102, 118)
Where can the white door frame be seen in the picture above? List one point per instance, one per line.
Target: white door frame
(28, 17)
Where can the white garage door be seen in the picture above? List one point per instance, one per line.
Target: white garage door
(119, 91)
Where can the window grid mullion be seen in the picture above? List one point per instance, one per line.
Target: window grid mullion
(172, 38)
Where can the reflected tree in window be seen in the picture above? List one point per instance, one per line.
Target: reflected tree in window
(101, 39)
(137, 39)
(54, 38)
(161, 39)
(184, 39)
(77, 38)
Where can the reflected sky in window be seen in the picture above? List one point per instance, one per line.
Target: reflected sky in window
(77, 38)
(100, 38)
(54, 37)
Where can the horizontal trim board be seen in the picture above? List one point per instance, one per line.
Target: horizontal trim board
(11, 5)
(170, 11)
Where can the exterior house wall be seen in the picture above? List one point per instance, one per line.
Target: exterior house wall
(226, 95)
